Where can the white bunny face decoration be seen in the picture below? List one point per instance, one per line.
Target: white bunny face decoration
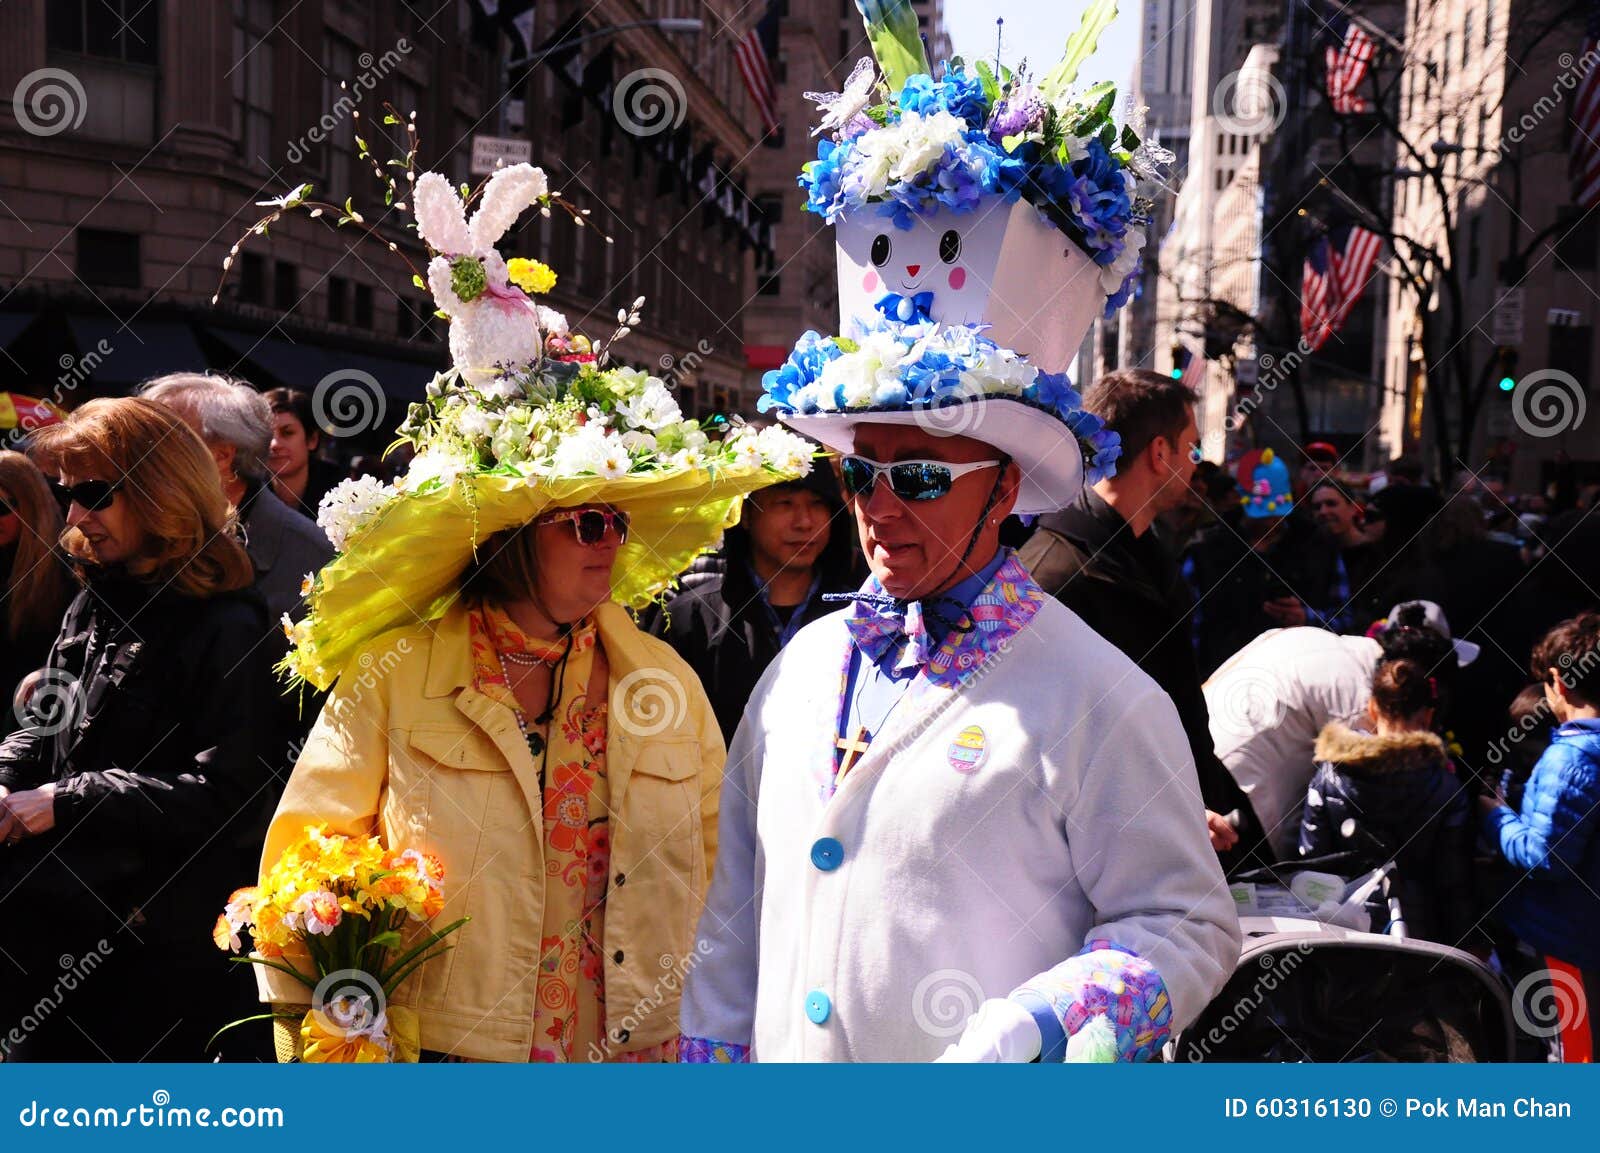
(999, 264)
(493, 324)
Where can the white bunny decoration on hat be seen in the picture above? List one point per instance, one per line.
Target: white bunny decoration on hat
(494, 326)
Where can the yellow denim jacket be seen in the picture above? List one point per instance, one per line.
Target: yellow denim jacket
(406, 747)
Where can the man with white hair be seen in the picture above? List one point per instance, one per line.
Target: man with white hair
(235, 422)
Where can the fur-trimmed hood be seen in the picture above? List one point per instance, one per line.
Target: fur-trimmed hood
(1368, 754)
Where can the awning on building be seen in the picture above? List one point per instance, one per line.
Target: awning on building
(122, 356)
(293, 364)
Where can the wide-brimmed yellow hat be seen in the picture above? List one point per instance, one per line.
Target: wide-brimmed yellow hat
(530, 417)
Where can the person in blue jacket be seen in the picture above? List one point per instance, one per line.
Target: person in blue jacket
(1551, 841)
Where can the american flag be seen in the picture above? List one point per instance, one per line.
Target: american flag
(1349, 54)
(1192, 366)
(1585, 162)
(754, 55)
(1334, 276)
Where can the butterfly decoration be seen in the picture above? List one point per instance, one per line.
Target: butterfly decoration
(842, 110)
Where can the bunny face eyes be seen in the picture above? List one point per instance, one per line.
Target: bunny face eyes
(950, 246)
(880, 250)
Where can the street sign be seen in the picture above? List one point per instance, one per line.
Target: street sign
(1508, 315)
(487, 150)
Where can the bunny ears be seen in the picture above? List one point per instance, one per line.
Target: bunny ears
(442, 214)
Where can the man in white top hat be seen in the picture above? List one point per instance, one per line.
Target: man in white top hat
(956, 822)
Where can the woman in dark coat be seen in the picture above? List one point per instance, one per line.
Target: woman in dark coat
(35, 584)
(141, 774)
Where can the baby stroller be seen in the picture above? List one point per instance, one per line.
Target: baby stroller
(1309, 987)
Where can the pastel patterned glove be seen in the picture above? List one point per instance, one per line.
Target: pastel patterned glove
(1105, 980)
(705, 1051)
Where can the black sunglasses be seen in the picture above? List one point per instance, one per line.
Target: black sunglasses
(92, 495)
(591, 524)
(908, 479)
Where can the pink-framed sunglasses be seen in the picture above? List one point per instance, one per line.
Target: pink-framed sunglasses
(590, 524)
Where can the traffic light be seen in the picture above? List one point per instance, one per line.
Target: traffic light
(1180, 356)
(1505, 367)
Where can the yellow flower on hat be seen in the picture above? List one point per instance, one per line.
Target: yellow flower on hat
(532, 276)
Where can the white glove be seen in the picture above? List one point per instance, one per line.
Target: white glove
(1000, 1031)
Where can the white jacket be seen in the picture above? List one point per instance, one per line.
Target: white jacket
(1269, 701)
(1082, 819)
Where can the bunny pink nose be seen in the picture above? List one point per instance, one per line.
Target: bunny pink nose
(913, 269)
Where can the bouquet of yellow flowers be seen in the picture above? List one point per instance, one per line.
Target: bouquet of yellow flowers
(345, 900)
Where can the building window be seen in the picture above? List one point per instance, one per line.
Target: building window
(125, 30)
(112, 49)
(285, 286)
(252, 81)
(1488, 22)
(108, 259)
(339, 62)
(1571, 348)
(363, 306)
(1444, 64)
(1466, 38)
(338, 299)
(1577, 240)
(252, 278)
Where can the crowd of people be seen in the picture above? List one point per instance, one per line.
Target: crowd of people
(152, 545)
(715, 742)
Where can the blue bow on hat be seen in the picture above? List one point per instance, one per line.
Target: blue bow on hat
(906, 309)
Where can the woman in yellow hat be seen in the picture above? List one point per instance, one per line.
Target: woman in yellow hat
(492, 702)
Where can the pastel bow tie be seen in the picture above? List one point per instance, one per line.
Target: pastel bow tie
(878, 629)
(906, 308)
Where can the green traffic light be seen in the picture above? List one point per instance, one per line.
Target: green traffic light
(1177, 374)
(1507, 384)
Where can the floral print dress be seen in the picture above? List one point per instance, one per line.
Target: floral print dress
(569, 996)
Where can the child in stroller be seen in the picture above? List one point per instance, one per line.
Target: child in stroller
(1391, 795)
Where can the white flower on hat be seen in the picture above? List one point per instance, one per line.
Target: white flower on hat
(434, 464)
(475, 422)
(348, 505)
(783, 450)
(921, 141)
(653, 408)
(1112, 275)
(636, 440)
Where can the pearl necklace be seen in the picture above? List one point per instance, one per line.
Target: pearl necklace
(534, 741)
